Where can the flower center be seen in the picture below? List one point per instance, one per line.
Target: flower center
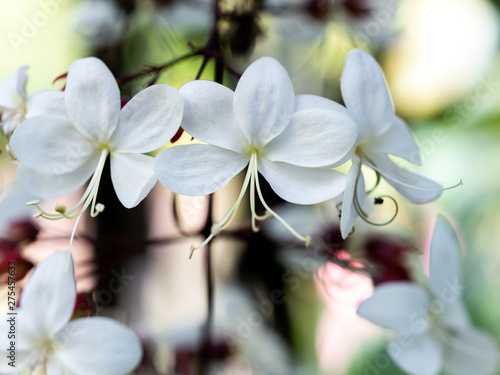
(88, 199)
(38, 365)
(252, 179)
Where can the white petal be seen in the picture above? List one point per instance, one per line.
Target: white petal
(349, 214)
(51, 145)
(13, 89)
(263, 101)
(208, 115)
(471, 352)
(454, 315)
(48, 299)
(46, 102)
(98, 346)
(24, 342)
(399, 306)
(420, 356)
(133, 177)
(365, 92)
(197, 169)
(412, 186)
(445, 261)
(92, 98)
(314, 138)
(148, 121)
(54, 367)
(52, 186)
(445, 278)
(396, 140)
(302, 185)
(11, 120)
(318, 102)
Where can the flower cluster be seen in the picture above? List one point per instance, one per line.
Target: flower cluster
(293, 141)
(62, 139)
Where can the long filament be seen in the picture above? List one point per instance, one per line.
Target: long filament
(88, 198)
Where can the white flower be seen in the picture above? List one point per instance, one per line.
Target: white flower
(256, 126)
(189, 16)
(101, 22)
(15, 106)
(47, 342)
(432, 325)
(56, 156)
(380, 133)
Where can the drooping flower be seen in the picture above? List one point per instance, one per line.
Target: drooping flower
(380, 133)
(56, 156)
(48, 342)
(432, 325)
(15, 106)
(256, 126)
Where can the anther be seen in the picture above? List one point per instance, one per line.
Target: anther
(61, 208)
(99, 207)
(215, 229)
(33, 202)
(191, 251)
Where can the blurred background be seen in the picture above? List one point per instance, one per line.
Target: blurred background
(277, 308)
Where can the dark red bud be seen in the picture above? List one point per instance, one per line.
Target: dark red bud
(21, 231)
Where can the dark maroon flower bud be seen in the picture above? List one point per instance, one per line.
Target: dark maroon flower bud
(320, 9)
(242, 33)
(23, 230)
(358, 8)
(212, 351)
(388, 259)
(11, 262)
(84, 306)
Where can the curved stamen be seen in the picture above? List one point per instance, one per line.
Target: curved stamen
(88, 199)
(255, 216)
(357, 205)
(229, 215)
(252, 179)
(377, 182)
(389, 177)
(305, 239)
(396, 211)
(71, 242)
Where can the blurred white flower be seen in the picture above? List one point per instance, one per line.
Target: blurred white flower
(256, 126)
(13, 206)
(56, 155)
(433, 329)
(187, 15)
(101, 22)
(48, 342)
(380, 133)
(15, 106)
